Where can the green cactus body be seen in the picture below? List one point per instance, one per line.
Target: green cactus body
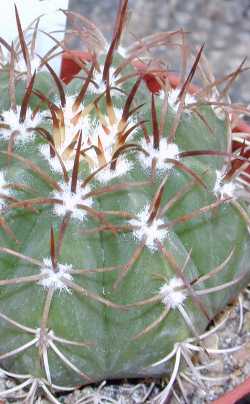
(105, 266)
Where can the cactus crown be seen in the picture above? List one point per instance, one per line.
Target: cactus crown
(123, 226)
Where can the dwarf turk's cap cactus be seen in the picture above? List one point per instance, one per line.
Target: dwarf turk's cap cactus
(122, 229)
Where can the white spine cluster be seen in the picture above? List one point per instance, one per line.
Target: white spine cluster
(223, 189)
(108, 142)
(93, 134)
(11, 118)
(69, 114)
(54, 162)
(71, 130)
(165, 151)
(171, 295)
(105, 175)
(150, 231)
(173, 101)
(70, 201)
(53, 279)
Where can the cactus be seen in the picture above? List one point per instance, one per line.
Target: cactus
(123, 225)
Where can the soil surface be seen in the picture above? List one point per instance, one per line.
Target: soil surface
(223, 25)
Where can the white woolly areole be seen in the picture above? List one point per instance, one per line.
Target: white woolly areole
(151, 232)
(52, 278)
(3, 190)
(93, 133)
(68, 113)
(71, 131)
(54, 162)
(171, 297)
(173, 101)
(102, 85)
(71, 128)
(123, 166)
(223, 189)
(109, 142)
(165, 151)
(11, 118)
(70, 201)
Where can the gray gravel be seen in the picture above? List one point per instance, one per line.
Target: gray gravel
(224, 25)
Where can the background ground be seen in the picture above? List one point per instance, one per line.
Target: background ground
(224, 25)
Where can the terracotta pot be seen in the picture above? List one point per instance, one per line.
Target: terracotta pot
(236, 394)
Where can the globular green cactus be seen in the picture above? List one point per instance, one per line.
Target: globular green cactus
(122, 226)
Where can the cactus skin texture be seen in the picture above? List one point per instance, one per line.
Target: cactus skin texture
(123, 226)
